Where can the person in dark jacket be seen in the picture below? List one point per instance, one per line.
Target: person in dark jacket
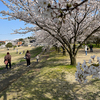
(8, 58)
(91, 48)
(28, 56)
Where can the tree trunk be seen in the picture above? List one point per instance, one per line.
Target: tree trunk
(58, 49)
(73, 60)
(64, 52)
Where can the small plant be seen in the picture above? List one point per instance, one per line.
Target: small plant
(13, 64)
(2, 68)
(22, 60)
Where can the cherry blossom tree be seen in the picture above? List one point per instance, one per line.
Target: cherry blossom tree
(90, 68)
(65, 20)
(43, 37)
(95, 39)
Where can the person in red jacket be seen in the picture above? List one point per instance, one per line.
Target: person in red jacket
(28, 56)
(8, 59)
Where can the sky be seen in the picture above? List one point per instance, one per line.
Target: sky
(7, 27)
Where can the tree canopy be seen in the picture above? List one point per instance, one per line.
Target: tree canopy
(9, 45)
(65, 20)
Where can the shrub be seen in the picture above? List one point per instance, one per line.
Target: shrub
(9, 45)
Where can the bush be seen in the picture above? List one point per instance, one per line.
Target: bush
(9, 45)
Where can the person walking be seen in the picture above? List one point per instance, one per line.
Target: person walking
(91, 48)
(28, 56)
(86, 48)
(17, 51)
(8, 59)
(37, 58)
(23, 51)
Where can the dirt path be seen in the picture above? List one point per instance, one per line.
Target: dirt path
(81, 55)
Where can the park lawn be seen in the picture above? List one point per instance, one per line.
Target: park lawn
(15, 57)
(52, 79)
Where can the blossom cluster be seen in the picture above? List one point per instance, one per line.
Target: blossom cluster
(54, 9)
(90, 68)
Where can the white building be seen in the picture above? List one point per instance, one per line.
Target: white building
(8, 41)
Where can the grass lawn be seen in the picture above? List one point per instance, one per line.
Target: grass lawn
(15, 57)
(52, 79)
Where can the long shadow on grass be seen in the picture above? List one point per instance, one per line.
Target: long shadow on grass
(43, 87)
(54, 63)
(10, 75)
(87, 93)
(47, 86)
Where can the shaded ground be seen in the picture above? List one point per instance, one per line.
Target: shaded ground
(9, 76)
(51, 79)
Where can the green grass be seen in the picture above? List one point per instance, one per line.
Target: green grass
(35, 51)
(57, 61)
(52, 79)
(2, 68)
(94, 45)
(67, 66)
(22, 60)
(2, 55)
(13, 64)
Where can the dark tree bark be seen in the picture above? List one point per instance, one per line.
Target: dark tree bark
(64, 52)
(73, 60)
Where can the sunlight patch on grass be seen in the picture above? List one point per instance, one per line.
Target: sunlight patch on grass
(52, 80)
(22, 60)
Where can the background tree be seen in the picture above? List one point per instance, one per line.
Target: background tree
(30, 37)
(21, 39)
(26, 43)
(95, 39)
(66, 21)
(9, 45)
(48, 41)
